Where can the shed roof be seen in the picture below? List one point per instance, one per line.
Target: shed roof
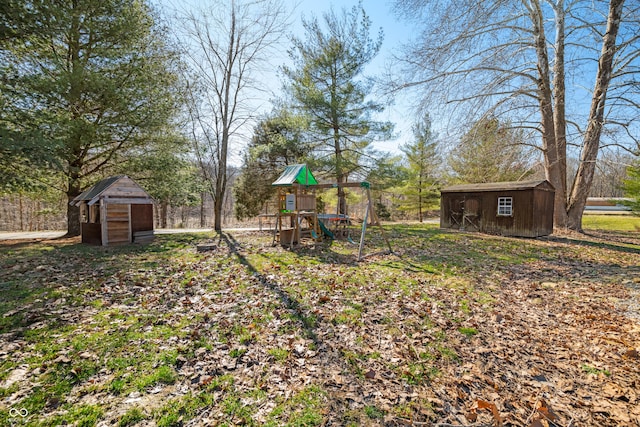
(499, 186)
(296, 174)
(92, 194)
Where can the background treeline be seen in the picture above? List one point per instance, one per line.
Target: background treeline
(183, 102)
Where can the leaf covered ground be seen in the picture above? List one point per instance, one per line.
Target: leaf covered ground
(452, 329)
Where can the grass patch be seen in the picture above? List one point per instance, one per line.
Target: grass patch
(591, 370)
(87, 321)
(81, 416)
(373, 412)
(305, 408)
(162, 375)
(279, 354)
(468, 332)
(131, 417)
(178, 411)
(611, 222)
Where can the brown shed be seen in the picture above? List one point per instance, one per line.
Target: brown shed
(115, 211)
(523, 209)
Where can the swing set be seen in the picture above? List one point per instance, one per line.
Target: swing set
(297, 215)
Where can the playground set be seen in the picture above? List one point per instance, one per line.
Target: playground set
(297, 216)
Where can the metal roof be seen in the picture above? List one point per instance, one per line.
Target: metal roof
(92, 194)
(498, 186)
(95, 190)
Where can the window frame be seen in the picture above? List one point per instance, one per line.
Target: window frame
(505, 204)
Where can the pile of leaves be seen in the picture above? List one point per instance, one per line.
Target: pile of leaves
(451, 329)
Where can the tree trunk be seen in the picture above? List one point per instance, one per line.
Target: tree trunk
(73, 212)
(559, 104)
(226, 117)
(202, 211)
(164, 208)
(591, 143)
(553, 172)
(21, 213)
(420, 197)
(340, 175)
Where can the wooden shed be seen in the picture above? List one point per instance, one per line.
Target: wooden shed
(115, 211)
(522, 209)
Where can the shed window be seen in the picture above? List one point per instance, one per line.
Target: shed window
(505, 206)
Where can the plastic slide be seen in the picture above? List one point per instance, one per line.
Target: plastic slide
(326, 231)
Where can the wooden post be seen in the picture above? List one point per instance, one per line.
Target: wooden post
(278, 223)
(103, 223)
(130, 225)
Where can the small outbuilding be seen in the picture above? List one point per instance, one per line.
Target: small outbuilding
(520, 209)
(114, 211)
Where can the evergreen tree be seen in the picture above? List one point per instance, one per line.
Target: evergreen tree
(327, 85)
(490, 151)
(388, 174)
(421, 189)
(278, 141)
(165, 170)
(632, 187)
(82, 82)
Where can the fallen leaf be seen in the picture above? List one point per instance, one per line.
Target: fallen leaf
(545, 410)
(482, 404)
(471, 416)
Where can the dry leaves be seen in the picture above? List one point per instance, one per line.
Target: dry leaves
(439, 334)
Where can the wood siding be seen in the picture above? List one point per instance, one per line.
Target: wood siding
(125, 187)
(141, 218)
(91, 233)
(118, 225)
(532, 211)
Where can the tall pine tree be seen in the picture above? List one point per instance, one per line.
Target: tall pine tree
(327, 85)
(423, 160)
(82, 82)
(490, 151)
(278, 141)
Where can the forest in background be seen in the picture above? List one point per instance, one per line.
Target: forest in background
(167, 97)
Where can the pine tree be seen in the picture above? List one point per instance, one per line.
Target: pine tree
(327, 85)
(421, 189)
(632, 187)
(490, 151)
(82, 82)
(278, 141)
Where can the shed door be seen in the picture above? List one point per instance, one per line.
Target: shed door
(118, 223)
(141, 218)
(471, 216)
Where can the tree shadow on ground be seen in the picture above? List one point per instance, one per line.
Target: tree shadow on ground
(291, 303)
(618, 246)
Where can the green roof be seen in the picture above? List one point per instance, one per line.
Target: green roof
(295, 174)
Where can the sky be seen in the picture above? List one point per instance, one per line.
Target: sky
(379, 11)
(395, 33)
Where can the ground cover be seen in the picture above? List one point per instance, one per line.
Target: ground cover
(450, 329)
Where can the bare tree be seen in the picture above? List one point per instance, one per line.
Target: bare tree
(528, 61)
(227, 43)
(610, 174)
